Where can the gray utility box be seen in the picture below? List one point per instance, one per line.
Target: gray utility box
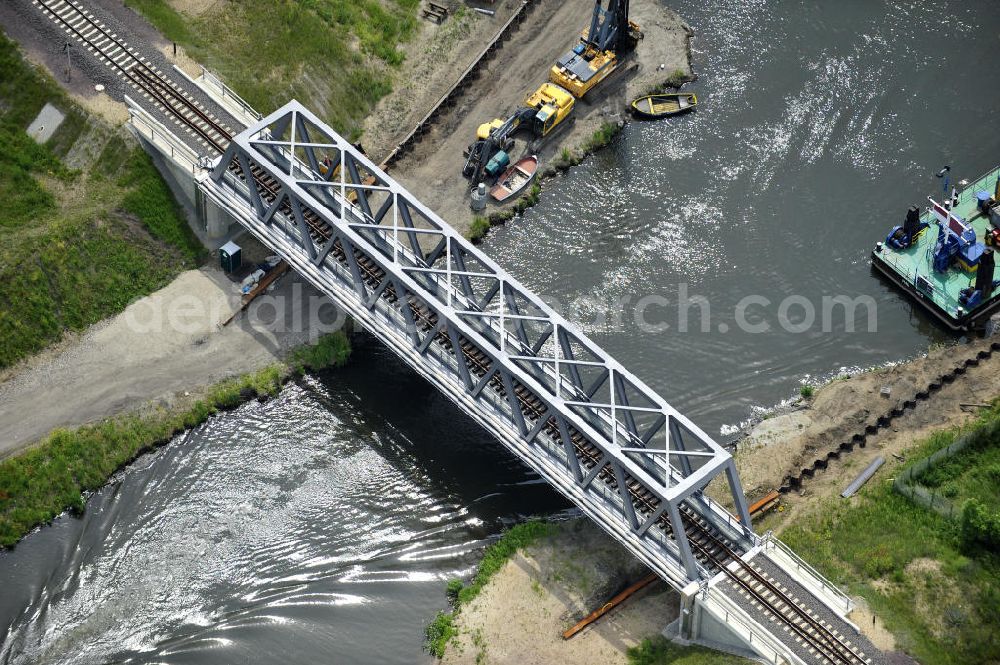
(230, 256)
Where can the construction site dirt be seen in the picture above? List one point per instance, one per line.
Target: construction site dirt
(432, 167)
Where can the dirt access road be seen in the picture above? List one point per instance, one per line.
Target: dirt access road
(132, 361)
(433, 171)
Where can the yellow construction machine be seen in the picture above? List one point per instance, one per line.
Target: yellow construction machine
(543, 110)
(601, 49)
(552, 104)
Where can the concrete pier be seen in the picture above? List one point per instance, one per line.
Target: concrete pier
(181, 167)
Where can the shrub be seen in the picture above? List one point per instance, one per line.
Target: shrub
(878, 562)
(453, 590)
(478, 228)
(601, 136)
(807, 391)
(330, 350)
(676, 79)
(439, 632)
(980, 526)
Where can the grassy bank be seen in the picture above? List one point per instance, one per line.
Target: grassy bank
(441, 630)
(930, 580)
(338, 57)
(661, 651)
(76, 245)
(51, 477)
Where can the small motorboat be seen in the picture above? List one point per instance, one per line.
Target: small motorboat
(515, 179)
(664, 104)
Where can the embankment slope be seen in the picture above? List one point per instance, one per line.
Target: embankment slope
(520, 615)
(131, 360)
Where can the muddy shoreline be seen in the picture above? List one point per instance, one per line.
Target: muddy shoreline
(854, 418)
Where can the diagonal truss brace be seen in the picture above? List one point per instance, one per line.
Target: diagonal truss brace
(585, 399)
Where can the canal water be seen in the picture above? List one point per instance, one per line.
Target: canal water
(321, 526)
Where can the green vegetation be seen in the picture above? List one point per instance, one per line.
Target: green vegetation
(980, 526)
(676, 79)
(336, 56)
(601, 137)
(441, 630)
(973, 473)
(479, 642)
(439, 633)
(529, 199)
(481, 225)
(149, 199)
(21, 160)
(452, 589)
(49, 478)
(329, 351)
(566, 159)
(934, 582)
(75, 246)
(661, 651)
(806, 391)
(516, 538)
(478, 229)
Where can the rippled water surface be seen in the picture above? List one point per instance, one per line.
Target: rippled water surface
(319, 527)
(321, 524)
(818, 125)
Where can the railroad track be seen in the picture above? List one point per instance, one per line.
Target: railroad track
(150, 82)
(713, 549)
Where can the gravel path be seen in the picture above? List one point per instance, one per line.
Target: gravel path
(156, 351)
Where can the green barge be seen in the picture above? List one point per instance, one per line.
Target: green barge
(944, 257)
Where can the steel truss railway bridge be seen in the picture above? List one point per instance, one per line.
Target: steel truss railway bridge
(554, 398)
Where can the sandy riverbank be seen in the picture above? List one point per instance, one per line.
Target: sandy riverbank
(433, 171)
(131, 360)
(520, 615)
(792, 438)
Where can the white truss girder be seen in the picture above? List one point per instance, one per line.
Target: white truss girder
(427, 292)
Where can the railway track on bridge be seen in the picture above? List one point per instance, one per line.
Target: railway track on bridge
(715, 552)
(143, 77)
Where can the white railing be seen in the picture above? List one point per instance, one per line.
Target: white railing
(760, 640)
(165, 140)
(830, 594)
(227, 93)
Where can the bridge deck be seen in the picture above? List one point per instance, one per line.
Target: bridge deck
(584, 422)
(808, 602)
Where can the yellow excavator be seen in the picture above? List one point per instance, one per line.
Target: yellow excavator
(542, 110)
(602, 48)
